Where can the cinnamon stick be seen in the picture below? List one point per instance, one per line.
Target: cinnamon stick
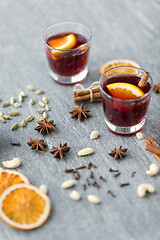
(144, 79)
(153, 149)
(85, 92)
(87, 97)
(146, 142)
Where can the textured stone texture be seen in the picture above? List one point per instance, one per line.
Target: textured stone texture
(121, 29)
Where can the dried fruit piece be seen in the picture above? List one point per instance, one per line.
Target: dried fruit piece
(14, 163)
(118, 63)
(68, 183)
(59, 152)
(9, 178)
(24, 206)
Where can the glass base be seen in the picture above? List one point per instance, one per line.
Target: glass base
(78, 78)
(125, 131)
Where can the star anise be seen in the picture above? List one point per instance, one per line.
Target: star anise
(156, 88)
(45, 126)
(118, 153)
(59, 151)
(79, 112)
(36, 144)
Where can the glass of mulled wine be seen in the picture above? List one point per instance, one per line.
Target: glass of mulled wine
(125, 104)
(67, 47)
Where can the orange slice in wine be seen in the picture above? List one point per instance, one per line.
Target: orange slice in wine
(124, 90)
(63, 43)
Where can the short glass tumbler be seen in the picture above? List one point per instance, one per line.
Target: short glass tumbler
(124, 116)
(68, 66)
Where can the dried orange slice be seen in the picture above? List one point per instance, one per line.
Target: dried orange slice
(24, 206)
(63, 43)
(124, 90)
(118, 63)
(9, 178)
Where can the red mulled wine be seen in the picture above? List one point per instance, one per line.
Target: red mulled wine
(68, 62)
(121, 111)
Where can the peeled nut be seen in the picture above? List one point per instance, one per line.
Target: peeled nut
(93, 199)
(74, 195)
(94, 134)
(43, 188)
(153, 170)
(68, 183)
(144, 188)
(139, 135)
(85, 151)
(14, 163)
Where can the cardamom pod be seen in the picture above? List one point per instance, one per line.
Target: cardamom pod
(40, 110)
(5, 104)
(45, 100)
(47, 108)
(38, 92)
(6, 117)
(14, 113)
(30, 88)
(30, 118)
(42, 104)
(38, 117)
(13, 100)
(17, 105)
(20, 97)
(22, 94)
(2, 120)
(32, 102)
(45, 115)
(23, 124)
(15, 126)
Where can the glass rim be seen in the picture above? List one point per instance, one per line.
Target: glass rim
(72, 49)
(124, 100)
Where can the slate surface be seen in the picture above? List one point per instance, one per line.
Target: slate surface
(121, 29)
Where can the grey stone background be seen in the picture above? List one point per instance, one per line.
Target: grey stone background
(121, 29)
